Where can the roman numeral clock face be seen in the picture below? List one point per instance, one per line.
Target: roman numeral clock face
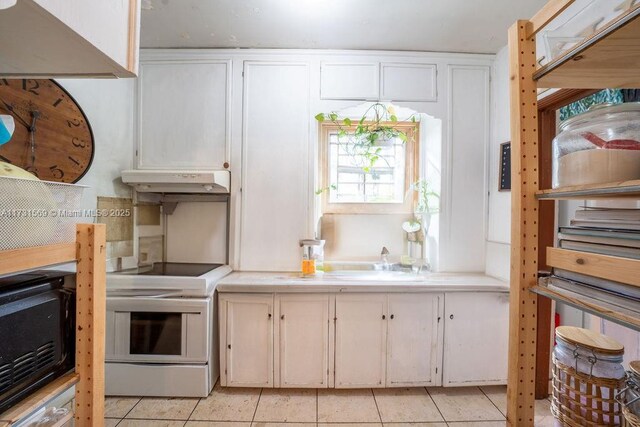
(53, 138)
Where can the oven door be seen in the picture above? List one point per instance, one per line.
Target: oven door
(158, 330)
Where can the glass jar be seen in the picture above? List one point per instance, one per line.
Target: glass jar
(598, 147)
(587, 360)
(629, 397)
(587, 376)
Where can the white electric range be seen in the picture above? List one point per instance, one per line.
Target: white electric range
(161, 332)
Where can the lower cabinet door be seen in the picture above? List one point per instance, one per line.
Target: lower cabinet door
(302, 336)
(361, 340)
(249, 340)
(413, 336)
(476, 338)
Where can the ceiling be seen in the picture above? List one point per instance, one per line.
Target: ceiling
(478, 26)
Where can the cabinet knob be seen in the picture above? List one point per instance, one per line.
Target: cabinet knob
(384, 317)
(282, 317)
(229, 346)
(451, 317)
(392, 316)
(580, 261)
(226, 165)
(269, 315)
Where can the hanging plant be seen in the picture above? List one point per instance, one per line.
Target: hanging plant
(364, 140)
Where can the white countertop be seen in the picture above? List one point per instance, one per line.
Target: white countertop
(256, 282)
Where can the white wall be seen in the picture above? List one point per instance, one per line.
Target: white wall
(462, 157)
(108, 105)
(499, 219)
(462, 105)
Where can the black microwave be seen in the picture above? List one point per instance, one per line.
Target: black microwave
(37, 332)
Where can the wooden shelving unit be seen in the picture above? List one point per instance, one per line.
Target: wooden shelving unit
(608, 59)
(593, 306)
(89, 252)
(612, 190)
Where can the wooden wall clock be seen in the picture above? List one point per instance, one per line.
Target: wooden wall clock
(53, 138)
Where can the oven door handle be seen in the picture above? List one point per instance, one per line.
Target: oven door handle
(134, 295)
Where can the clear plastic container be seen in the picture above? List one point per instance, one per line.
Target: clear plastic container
(312, 256)
(598, 147)
(578, 22)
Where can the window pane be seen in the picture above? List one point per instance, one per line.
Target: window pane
(384, 182)
(156, 333)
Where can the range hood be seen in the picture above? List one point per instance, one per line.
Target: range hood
(175, 181)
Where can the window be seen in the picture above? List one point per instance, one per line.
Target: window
(378, 183)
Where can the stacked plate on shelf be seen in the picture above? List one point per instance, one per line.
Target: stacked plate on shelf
(604, 231)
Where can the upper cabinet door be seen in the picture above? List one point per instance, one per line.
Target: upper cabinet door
(413, 339)
(183, 115)
(63, 38)
(276, 191)
(408, 82)
(303, 344)
(361, 340)
(358, 81)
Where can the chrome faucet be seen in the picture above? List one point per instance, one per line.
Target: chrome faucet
(384, 258)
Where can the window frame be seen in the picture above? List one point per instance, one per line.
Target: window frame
(412, 164)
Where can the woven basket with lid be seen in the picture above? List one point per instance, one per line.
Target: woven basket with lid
(587, 375)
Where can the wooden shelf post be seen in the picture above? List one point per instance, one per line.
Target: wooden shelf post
(524, 226)
(90, 324)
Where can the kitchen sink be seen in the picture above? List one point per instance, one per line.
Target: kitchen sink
(378, 276)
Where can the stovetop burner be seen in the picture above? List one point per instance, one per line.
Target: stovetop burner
(177, 269)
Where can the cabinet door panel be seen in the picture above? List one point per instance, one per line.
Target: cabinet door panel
(276, 191)
(412, 339)
(303, 327)
(361, 340)
(476, 338)
(182, 115)
(408, 82)
(349, 80)
(249, 338)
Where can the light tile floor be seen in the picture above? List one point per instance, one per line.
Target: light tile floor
(233, 407)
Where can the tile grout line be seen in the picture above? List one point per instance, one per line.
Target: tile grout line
(194, 408)
(130, 410)
(492, 402)
(436, 405)
(255, 411)
(376, 403)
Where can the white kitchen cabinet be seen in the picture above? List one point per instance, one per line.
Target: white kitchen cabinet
(349, 80)
(246, 340)
(58, 38)
(413, 339)
(183, 114)
(361, 340)
(408, 82)
(476, 335)
(302, 340)
(276, 194)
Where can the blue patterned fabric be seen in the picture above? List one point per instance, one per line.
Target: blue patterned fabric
(607, 96)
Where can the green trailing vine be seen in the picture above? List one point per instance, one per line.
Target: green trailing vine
(363, 142)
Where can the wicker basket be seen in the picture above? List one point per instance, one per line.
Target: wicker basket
(629, 419)
(37, 213)
(580, 400)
